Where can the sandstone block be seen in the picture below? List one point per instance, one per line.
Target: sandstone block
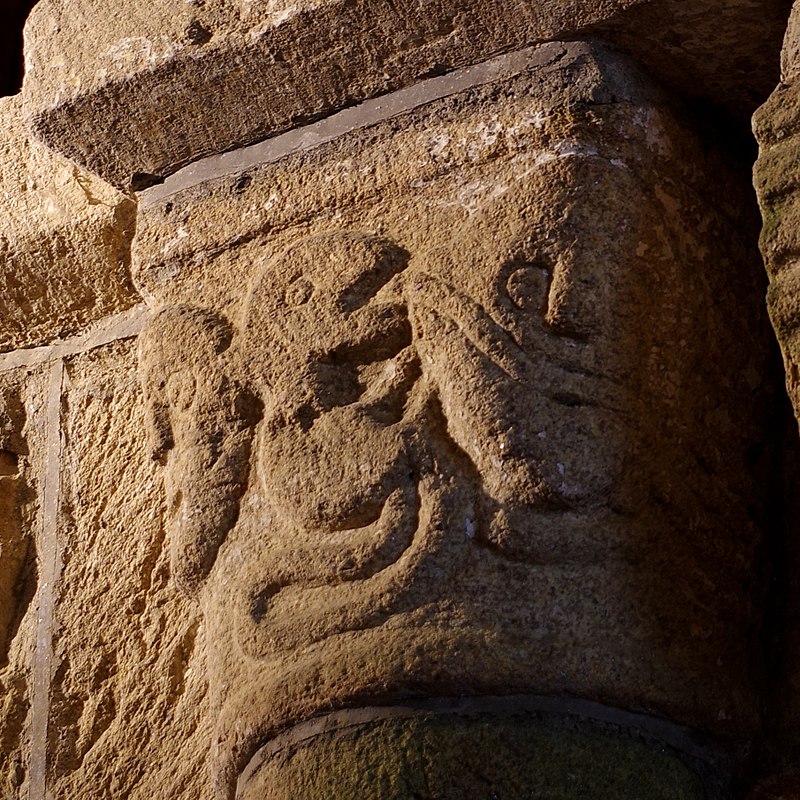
(64, 241)
(400, 755)
(134, 93)
(790, 54)
(432, 417)
(22, 455)
(777, 127)
(127, 703)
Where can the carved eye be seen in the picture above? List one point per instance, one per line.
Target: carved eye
(299, 292)
(527, 286)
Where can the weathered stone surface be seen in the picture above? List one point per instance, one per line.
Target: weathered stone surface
(466, 398)
(777, 181)
(777, 127)
(141, 91)
(435, 417)
(64, 241)
(127, 710)
(22, 406)
(778, 787)
(483, 755)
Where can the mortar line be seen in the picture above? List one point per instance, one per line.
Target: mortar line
(365, 114)
(50, 561)
(110, 329)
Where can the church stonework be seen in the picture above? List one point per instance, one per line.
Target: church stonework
(412, 418)
(391, 402)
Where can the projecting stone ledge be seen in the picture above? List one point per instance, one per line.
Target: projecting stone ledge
(64, 241)
(145, 89)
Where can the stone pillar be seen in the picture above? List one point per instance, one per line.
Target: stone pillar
(432, 420)
(418, 443)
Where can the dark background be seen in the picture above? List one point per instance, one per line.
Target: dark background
(12, 18)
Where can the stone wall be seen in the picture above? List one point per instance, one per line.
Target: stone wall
(389, 406)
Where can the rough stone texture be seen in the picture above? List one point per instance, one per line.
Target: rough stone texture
(21, 461)
(444, 758)
(725, 52)
(469, 400)
(127, 711)
(777, 182)
(777, 126)
(64, 241)
(435, 417)
(140, 92)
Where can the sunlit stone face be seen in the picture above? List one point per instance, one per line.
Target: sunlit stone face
(470, 433)
(427, 415)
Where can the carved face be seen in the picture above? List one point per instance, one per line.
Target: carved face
(477, 453)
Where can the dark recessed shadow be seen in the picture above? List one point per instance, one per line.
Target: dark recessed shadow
(12, 66)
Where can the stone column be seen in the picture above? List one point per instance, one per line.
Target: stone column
(434, 424)
(418, 444)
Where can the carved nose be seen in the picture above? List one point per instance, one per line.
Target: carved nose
(577, 292)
